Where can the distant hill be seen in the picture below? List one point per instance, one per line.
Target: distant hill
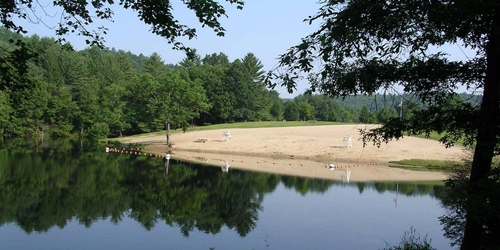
(379, 101)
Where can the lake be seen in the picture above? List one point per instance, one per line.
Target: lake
(64, 195)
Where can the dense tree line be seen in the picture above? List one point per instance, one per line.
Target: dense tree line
(103, 92)
(325, 108)
(376, 102)
(96, 93)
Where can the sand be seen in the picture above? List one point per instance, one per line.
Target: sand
(305, 151)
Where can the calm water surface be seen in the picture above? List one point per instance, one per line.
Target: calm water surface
(61, 195)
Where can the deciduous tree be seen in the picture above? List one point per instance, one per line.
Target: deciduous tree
(291, 111)
(306, 110)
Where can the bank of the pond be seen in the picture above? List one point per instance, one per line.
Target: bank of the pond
(310, 146)
(319, 169)
(343, 170)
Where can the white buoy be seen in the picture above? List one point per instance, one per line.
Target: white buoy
(167, 156)
(332, 167)
(107, 150)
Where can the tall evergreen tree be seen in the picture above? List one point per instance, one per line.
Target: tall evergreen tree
(194, 61)
(366, 116)
(154, 65)
(125, 64)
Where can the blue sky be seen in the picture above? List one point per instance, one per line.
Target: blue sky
(265, 28)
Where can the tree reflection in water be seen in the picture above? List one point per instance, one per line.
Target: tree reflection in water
(48, 185)
(458, 201)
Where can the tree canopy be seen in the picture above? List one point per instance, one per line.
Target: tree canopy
(76, 17)
(98, 93)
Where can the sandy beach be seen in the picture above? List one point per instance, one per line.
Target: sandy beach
(306, 151)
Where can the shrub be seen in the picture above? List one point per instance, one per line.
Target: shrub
(412, 241)
(59, 131)
(98, 131)
(207, 124)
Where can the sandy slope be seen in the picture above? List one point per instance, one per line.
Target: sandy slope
(311, 147)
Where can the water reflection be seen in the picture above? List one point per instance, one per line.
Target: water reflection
(47, 186)
(465, 207)
(167, 162)
(225, 166)
(345, 175)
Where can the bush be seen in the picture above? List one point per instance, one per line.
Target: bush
(59, 131)
(207, 124)
(231, 121)
(412, 241)
(98, 131)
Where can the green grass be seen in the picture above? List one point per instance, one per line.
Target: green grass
(430, 164)
(421, 169)
(435, 136)
(270, 124)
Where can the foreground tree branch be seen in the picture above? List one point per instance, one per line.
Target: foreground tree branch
(365, 46)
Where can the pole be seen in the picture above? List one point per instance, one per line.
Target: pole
(401, 109)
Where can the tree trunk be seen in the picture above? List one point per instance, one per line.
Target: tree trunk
(121, 134)
(167, 132)
(486, 138)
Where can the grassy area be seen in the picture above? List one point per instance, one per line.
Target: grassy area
(435, 136)
(270, 124)
(428, 164)
(421, 169)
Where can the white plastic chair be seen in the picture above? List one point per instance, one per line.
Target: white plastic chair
(226, 135)
(347, 142)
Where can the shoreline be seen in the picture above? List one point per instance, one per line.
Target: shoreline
(313, 169)
(305, 151)
(317, 169)
(233, 154)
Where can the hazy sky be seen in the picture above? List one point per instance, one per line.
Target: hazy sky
(265, 28)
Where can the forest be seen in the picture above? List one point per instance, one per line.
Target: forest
(97, 93)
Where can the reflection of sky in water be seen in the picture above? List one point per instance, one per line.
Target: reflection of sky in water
(340, 218)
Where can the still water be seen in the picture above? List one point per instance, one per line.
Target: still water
(62, 195)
